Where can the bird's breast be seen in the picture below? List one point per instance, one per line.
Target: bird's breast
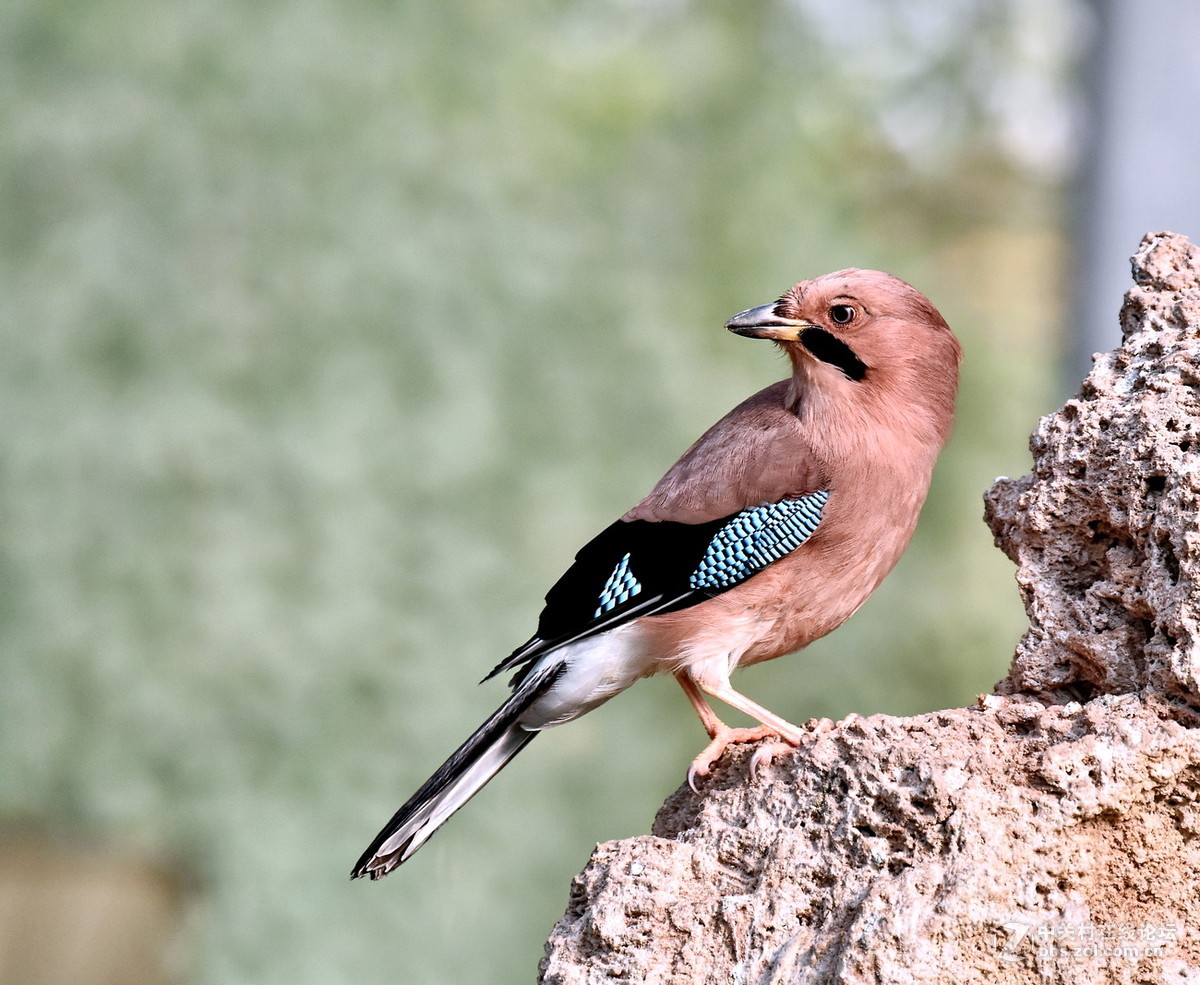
(865, 527)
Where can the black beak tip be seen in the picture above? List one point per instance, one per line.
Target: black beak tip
(751, 322)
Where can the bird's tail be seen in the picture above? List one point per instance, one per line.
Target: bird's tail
(457, 780)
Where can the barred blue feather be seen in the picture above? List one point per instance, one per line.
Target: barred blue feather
(620, 587)
(755, 538)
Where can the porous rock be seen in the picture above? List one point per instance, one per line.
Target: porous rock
(1051, 833)
(1104, 532)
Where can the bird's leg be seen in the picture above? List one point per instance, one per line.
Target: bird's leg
(784, 729)
(721, 734)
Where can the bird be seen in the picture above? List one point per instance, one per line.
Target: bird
(768, 533)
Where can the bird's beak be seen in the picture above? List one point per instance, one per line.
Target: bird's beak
(763, 323)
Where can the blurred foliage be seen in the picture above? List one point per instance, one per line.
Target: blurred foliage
(331, 330)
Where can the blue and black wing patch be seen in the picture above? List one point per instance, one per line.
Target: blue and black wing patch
(618, 589)
(638, 568)
(754, 538)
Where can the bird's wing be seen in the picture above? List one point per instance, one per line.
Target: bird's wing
(639, 568)
(731, 506)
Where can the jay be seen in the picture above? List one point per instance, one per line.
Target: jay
(769, 532)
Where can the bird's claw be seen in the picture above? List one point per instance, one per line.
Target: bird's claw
(766, 754)
(724, 738)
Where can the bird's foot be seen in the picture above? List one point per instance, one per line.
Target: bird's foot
(725, 737)
(766, 754)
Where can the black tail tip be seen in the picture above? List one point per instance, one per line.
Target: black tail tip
(363, 870)
(374, 866)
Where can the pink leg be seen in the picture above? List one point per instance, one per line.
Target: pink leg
(735, 699)
(723, 736)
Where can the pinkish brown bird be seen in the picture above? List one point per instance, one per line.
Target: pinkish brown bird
(769, 533)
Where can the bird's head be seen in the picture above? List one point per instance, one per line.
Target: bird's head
(866, 337)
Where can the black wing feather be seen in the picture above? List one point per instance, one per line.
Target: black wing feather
(663, 557)
(637, 568)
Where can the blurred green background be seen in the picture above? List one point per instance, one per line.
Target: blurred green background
(332, 330)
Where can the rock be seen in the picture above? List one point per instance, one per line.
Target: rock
(973, 845)
(1104, 532)
(1050, 833)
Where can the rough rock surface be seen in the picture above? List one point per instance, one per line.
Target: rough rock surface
(1105, 531)
(1031, 838)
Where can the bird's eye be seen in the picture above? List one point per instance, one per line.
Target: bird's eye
(842, 314)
